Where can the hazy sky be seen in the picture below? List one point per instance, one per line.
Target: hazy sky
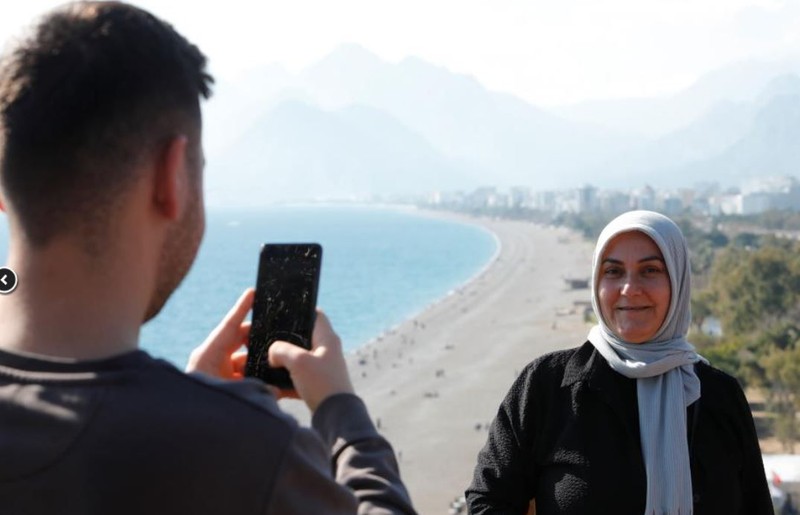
(547, 52)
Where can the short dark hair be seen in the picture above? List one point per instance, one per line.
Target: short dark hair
(94, 88)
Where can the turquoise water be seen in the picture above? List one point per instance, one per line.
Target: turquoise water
(380, 267)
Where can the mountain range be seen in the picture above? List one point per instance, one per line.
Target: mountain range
(353, 126)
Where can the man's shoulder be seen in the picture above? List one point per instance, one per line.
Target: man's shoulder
(172, 428)
(246, 401)
(234, 425)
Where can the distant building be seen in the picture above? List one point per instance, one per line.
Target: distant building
(446, 198)
(586, 199)
(670, 204)
(610, 201)
(770, 193)
(755, 196)
(644, 198)
(754, 203)
(725, 204)
(700, 204)
(687, 197)
(520, 196)
(567, 202)
(758, 196)
(545, 201)
(501, 200)
(482, 197)
(774, 185)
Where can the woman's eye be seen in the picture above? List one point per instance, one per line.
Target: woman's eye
(612, 272)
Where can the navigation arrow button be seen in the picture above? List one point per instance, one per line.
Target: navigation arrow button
(8, 280)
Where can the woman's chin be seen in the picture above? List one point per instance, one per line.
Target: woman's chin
(635, 336)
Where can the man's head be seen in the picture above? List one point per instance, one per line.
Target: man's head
(89, 94)
(96, 90)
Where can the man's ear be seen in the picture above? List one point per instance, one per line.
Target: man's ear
(169, 193)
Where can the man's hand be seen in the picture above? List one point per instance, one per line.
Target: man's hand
(217, 356)
(319, 373)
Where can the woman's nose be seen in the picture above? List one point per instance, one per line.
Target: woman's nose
(631, 285)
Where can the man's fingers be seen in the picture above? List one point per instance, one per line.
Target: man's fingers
(319, 373)
(213, 356)
(324, 336)
(239, 311)
(321, 323)
(232, 331)
(244, 331)
(238, 362)
(285, 354)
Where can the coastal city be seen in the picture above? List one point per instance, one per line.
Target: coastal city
(753, 197)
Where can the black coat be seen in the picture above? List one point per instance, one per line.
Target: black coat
(567, 434)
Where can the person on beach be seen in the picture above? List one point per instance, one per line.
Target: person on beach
(634, 421)
(101, 167)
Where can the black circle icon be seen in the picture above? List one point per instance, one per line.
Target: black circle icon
(8, 280)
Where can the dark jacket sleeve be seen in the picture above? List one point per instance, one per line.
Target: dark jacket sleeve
(756, 499)
(504, 478)
(304, 483)
(363, 461)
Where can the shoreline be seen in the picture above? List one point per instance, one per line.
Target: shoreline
(451, 217)
(433, 382)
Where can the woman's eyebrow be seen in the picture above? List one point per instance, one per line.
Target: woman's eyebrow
(619, 262)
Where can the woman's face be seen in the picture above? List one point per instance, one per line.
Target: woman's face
(633, 289)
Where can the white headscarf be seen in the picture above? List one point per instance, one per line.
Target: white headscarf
(662, 366)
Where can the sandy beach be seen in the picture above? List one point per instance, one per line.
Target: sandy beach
(434, 383)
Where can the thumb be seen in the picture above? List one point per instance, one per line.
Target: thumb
(285, 354)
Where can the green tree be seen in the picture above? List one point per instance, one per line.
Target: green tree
(755, 288)
(746, 239)
(702, 303)
(782, 368)
(702, 245)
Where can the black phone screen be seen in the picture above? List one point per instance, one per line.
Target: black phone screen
(284, 306)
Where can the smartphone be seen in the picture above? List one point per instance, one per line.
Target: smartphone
(285, 305)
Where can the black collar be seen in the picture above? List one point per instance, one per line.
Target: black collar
(587, 365)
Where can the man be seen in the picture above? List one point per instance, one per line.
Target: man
(101, 178)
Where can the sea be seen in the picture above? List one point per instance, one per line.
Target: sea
(381, 266)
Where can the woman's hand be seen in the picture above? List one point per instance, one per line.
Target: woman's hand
(219, 354)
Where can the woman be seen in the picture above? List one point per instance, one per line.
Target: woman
(634, 421)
